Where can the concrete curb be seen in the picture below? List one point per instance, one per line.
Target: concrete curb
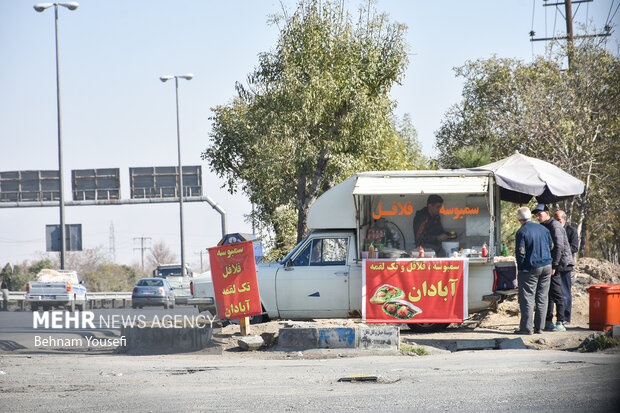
(149, 340)
(455, 345)
(359, 337)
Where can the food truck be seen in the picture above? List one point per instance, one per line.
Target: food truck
(366, 222)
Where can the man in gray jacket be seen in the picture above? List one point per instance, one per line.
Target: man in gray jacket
(565, 272)
(562, 257)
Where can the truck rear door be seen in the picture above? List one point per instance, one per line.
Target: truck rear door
(315, 282)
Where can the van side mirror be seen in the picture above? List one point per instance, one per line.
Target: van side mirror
(82, 281)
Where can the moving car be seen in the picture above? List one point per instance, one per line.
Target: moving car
(152, 291)
(178, 281)
(56, 288)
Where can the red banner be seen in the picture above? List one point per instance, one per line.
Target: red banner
(415, 291)
(234, 280)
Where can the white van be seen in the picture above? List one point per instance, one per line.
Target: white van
(377, 206)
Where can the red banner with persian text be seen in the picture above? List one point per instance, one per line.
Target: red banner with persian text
(415, 290)
(233, 270)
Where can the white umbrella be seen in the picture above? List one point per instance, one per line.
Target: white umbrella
(521, 177)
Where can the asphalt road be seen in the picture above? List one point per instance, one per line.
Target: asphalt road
(84, 379)
(509, 380)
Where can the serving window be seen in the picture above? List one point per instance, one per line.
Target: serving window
(387, 222)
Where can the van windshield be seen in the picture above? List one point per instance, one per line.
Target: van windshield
(293, 251)
(166, 272)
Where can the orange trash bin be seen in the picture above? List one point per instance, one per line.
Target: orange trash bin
(604, 306)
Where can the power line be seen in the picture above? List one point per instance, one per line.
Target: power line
(143, 246)
(568, 16)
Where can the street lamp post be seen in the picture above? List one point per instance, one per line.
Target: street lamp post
(40, 7)
(188, 76)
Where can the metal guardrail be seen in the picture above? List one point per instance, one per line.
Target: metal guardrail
(108, 296)
(21, 295)
(94, 299)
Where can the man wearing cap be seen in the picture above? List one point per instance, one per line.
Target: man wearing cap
(562, 258)
(533, 252)
(565, 272)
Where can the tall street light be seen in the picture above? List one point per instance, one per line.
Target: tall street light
(188, 76)
(40, 7)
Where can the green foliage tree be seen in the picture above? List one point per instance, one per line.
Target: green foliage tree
(37, 266)
(15, 277)
(19, 277)
(114, 277)
(471, 157)
(5, 275)
(567, 117)
(314, 111)
(92, 265)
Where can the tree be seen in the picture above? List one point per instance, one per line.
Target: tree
(86, 261)
(15, 277)
(161, 254)
(567, 117)
(112, 277)
(314, 111)
(37, 266)
(412, 146)
(5, 275)
(471, 157)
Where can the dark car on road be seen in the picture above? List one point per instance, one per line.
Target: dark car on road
(152, 291)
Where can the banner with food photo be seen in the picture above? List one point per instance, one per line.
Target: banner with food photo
(414, 290)
(233, 271)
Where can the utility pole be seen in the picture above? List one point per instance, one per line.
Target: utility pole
(143, 247)
(201, 266)
(568, 13)
(570, 37)
(112, 243)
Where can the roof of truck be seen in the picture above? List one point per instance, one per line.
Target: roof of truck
(335, 209)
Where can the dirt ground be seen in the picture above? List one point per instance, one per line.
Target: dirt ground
(491, 324)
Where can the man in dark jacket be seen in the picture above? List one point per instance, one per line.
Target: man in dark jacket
(565, 272)
(562, 257)
(429, 232)
(533, 253)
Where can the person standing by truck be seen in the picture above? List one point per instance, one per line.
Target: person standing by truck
(533, 253)
(427, 227)
(565, 272)
(562, 258)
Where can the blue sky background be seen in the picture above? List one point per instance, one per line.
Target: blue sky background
(117, 114)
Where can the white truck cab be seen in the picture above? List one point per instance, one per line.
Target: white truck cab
(178, 281)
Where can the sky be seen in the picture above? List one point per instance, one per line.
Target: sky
(117, 114)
